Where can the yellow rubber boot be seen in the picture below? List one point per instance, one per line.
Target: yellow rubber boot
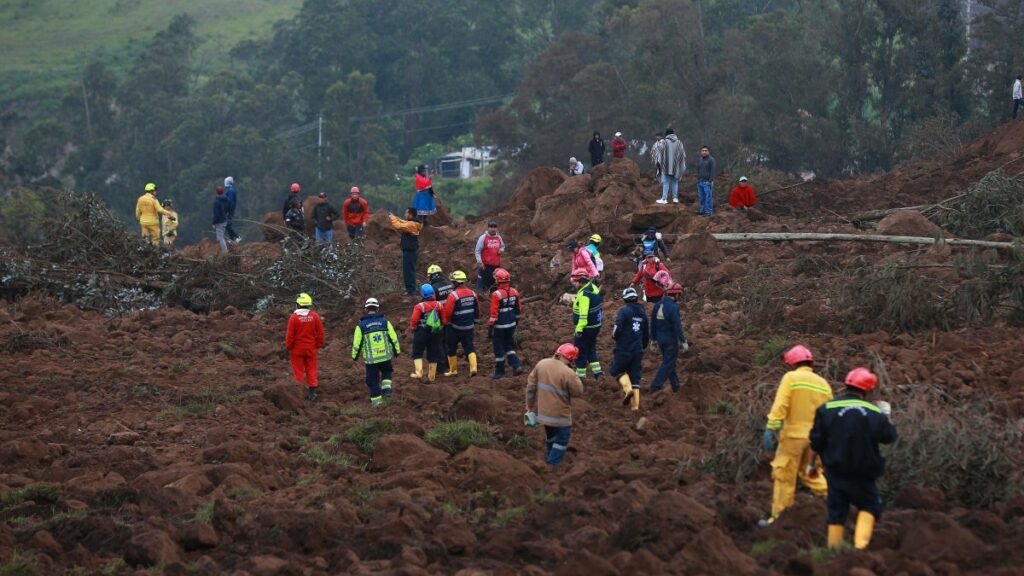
(453, 366)
(863, 530)
(635, 400)
(472, 363)
(627, 389)
(418, 373)
(835, 535)
(432, 372)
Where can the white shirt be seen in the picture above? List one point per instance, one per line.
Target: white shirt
(1017, 92)
(577, 169)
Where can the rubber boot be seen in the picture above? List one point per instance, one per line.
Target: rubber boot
(635, 400)
(499, 371)
(376, 401)
(835, 535)
(627, 389)
(418, 363)
(385, 387)
(472, 363)
(863, 530)
(311, 395)
(453, 366)
(432, 371)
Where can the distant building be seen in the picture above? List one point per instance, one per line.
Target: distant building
(468, 162)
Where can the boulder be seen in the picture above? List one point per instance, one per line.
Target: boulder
(936, 537)
(287, 397)
(479, 407)
(701, 247)
(538, 183)
(659, 216)
(494, 469)
(908, 223)
(198, 536)
(27, 450)
(921, 498)
(713, 552)
(151, 547)
(266, 565)
(554, 220)
(406, 450)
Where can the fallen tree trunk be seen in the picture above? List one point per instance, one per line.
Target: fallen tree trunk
(835, 237)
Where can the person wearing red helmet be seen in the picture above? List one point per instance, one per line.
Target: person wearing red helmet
(355, 211)
(800, 393)
(506, 306)
(293, 196)
(846, 433)
(550, 388)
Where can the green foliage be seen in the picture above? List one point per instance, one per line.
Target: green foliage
(993, 204)
(204, 514)
(770, 352)
(40, 493)
(894, 298)
(19, 565)
(366, 434)
(506, 517)
(21, 214)
(763, 547)
(736, 454)
(458, 435)
(319, 455)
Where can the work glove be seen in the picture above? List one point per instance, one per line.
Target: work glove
(530, 419)
(885, 407)
(770, 440)
(684, 346)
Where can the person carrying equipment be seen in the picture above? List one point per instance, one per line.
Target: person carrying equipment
(170, 224)
(667, 333)
(426, 326)
(587, 315)
(148, 212)
(653, 291)
(376, 340)
(595, 254)
(846, 433)
(305, 336)
(651, 241)
(410, 245)
(488, 251)
(550, 388)
(787, 432)
(442, 288)
(506, 306)
(460, 312)
(355, 211)
(631, 338)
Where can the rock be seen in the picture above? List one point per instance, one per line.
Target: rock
(124, 438)
(45, 542)
(93, 482)
(701, 247)
(151, 547)
(407, 451)
(496, 470)
(936, 537)
(549, 220)
(196, 484)
(727, 272)
(713, 552)
(908, 223)
(921, 498)
(479, 407)
(809, 316)
(266, 565)
(538, 183)
(658, 216)
(24, 451)
(287, 397)
(196, 536)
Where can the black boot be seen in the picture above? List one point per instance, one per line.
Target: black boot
(311, 395)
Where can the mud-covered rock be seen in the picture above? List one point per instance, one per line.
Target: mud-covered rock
(151, 547)
(405, 451)
(936, 537)
(921, 498)
(908, 223)
(714, 552)
(701, 247)
(496, 470)
(538, 183)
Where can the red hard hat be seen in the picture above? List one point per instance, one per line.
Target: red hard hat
(675, 288)
(796, 354)
(568, 351)
(862, 378)
(580, 275)
(501, 276)
(354, 190)
(296, 187)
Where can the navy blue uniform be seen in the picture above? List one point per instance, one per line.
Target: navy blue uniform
(631, 337)
(375, 338)
(667, 332)
(505, 310)
(461, 309)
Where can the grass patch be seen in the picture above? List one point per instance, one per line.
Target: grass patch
(28, 341)
(245, 493)
(543, 498)
(201, 405)
(722, 408)
(505, 517)
(820, 555)
(116, 567)
(40, 493)
(366, 434)
(19, 565)
(519, 441)
(320, 456)
(307, 479)
(144, 390)
(770, 352)
(179, 368)
(204, 514)
(764, 547)
(458, 435)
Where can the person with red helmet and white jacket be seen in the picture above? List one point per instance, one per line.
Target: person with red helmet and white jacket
(489, 248)
(305, 336)
(550, 388)
(506, 306)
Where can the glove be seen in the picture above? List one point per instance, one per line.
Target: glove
(811, 471)
(684, 346)
(530, 419)
(770, 440)
(885, 407)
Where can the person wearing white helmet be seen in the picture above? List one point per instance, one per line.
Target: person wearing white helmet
(631, 337)
(619, 146)
(375, 338)
(575, 167)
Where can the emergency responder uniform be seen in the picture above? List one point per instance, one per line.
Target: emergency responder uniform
(148, 212)
(631, 339)
(305, 336)
(587, 315)
(460, 311)
(550, 388)
(506, 306)
(667, 333)
(376, 340)
(426, 325)
(442, 288)
(846, 434)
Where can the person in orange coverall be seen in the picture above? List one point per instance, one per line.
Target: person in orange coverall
(304, 338)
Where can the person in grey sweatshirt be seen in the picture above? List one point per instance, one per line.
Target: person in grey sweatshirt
(705, 181)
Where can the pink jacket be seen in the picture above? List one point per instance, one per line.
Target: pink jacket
(584, 260)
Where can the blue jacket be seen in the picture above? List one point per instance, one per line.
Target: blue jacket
(630, 332)
(666, 325)
(220, 210)
(232, 195)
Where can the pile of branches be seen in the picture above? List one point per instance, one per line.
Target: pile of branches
(994, 204)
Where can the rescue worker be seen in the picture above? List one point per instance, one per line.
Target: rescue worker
(667, 332)
(376, 340)
(653, 291)
(425, 324)
(148, 212)
(442, 288)
(460, 313)
(305, 336)
(631, 337)
(355, 211)
(582, 260)
(410, 245)
(489, 248)
(506, 307)
(170, 224)
(587, 314)
(651, 241)
(595, 254)
(787, 432)
(293, 196)
(550, 388)
(846, 433)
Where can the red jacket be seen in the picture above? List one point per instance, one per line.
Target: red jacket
(422, 182)
(742, 196)
(647, 272)
(422, 310)
(355, 212)
(619, 148)
(305, 332)
(448, 308)
(490, 252)
(583, 260)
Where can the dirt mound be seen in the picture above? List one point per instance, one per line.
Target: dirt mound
(908, 223)
(538, 183)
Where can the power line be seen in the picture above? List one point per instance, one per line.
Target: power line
(436, 107)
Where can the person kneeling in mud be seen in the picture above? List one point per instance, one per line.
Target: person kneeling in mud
(550, 388)
(376, 339)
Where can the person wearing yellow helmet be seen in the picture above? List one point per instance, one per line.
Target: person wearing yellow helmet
(442, 288)
(305, 336)
(461, 310)
(592, 247)
(148, 212)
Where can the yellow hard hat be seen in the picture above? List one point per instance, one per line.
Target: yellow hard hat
(304, 300)
(458, 276)
(433, 269)
(595, 238)
(150, 187)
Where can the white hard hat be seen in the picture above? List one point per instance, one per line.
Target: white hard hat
(572, 160)
(617, 134)
(371, 303)
(743, 178)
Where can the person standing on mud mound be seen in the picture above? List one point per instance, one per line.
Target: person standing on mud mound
(424, 201)
(706, 182)
(426, 325)
(356, 214)
(587, 314)
(655, 155)
(376, 339)
(846, 433)
(653, 291)
(550, 388)
(460, 313)
(506, 307)
(220, 218)
(324, 215)
(619, 146)
(305, 336)
(231, 193)
(667, 332)
(295, 220)
(787, 432)
(652, 241)
(410, 245)
(442, 288)
(293, 196)
(631, 337)
(170, 224)
(594, 248)
(148, 212)
(672, 164)
(596, 149)
(489, 247)
(1018, 96)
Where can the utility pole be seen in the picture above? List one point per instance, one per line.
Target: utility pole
(88, 116)
(319, 146)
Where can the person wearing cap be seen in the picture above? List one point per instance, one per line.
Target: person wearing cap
(587, 316)
(596, 149)
(582, 261)
(304, 337)
(231, 193)
(169, 224)
(575, 167)
(293, 196)
(148, 212)
(375, 338)
(220, 218)
(648, 272)
(355, 211)
(631, 338)
(705, 182)
(410, 229)
(672, 165)
(847, 432)
(550, 388)
(651, 241)
(489, 247)
(788, 429)
(742, 196)
(324, 215)
(619, 146)
(594, 248)
(424, 201)
(426, 325)
(460, 312)
(667, 332)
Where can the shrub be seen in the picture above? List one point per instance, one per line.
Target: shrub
(40, 493)
(763, 299)
(366, 434)
(736, 455)
(458, 435)
(893, 298)
(770, 352)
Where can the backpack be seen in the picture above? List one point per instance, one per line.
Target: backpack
(433, 321)
(649, 244)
